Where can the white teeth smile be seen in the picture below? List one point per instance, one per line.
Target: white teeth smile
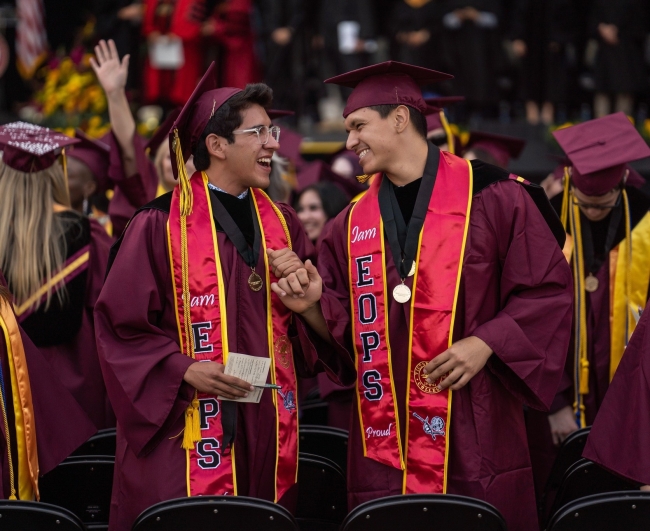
(363, 153)
(265, 161)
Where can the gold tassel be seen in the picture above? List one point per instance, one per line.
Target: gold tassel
(584, 377)
(186, 199)
(363, 178)
(192, 432)
(565, 198)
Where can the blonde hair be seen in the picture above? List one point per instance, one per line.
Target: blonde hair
(32, 237)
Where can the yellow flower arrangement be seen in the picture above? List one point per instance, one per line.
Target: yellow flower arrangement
(71, 97)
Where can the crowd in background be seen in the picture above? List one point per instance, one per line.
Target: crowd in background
(545, 61)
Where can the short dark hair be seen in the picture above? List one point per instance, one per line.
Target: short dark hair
(417, 118)
(228, 118)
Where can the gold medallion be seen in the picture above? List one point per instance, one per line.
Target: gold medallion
(421, 380)
(412, 271)
(255, 281)
(282, 351)
(591, 283)
(402, 293)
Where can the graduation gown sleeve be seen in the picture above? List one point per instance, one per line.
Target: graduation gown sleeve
(530, 330)
(620, 436)
(140, 358)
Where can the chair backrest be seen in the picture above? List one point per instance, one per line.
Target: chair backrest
(629, 511)
(102, 443)
(324, 441)
(313, 412)
(322, 490)
(215, 512)
(83, 485)
(585, 478)
(570, 452)
(27, 516)
(424, 511)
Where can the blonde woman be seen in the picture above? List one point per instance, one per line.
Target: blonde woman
(54, 261)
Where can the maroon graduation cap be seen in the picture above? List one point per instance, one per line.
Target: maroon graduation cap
(432, 116)
(274, 114)
(93, 153)
(318, 171)
(30, 148)
(443, 101)
(599, 150)
(195, 115)
(501, 147)
(161, 134)
(290, 143)
(387, 83)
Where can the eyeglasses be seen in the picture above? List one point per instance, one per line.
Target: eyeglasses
(596, 206)
(263, 133)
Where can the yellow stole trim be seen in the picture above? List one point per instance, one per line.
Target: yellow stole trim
(52, 283)
(629, 286)
(21, 398)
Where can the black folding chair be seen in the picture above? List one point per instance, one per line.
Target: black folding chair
(313, 412)
(83, 485)
(417, 512)
(570, 452)
(322, 494)
(215, 512)
(628, 511)
(585, 478)
(102, 443)
(36, 516)
(324, 441)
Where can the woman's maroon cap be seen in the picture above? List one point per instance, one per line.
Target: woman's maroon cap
(93, 153)
(599, 151)
(195, 115)
(501, 147)
(30, 148)
(161, 134)
(387, 83)
(274, 114)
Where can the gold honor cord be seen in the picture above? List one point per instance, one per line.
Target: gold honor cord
(10, 462)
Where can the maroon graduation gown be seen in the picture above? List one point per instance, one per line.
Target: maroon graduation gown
(515, 295)
(143, 367)
(130, 191)
(620, 436)
(598, 308)
(75, 362)
(61, 424)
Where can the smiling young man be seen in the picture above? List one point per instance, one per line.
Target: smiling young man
(204, 243)
(444, 278)
(608, 245)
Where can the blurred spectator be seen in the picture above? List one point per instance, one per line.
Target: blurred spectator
(348, 31)
(415, 29)
(281, 20)
(620, 28)
(472, 50)
(120, 20)
(317, 204)
(175, 61)
(543, 32)
(231, 27)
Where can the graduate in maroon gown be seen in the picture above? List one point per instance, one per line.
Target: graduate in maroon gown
(438, 128)
(174, 436)
(493, 332)
(54, 260)
(46, 430)
(608, 246)
(619, 438)
(493, 149)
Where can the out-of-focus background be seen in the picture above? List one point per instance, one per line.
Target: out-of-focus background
(523, 66)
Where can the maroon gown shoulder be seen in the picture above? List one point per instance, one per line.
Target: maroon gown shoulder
(620, 436)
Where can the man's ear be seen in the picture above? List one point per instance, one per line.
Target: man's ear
(216, 146)
(402, 118)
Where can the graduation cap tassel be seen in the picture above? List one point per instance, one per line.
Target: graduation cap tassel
(186, 198)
